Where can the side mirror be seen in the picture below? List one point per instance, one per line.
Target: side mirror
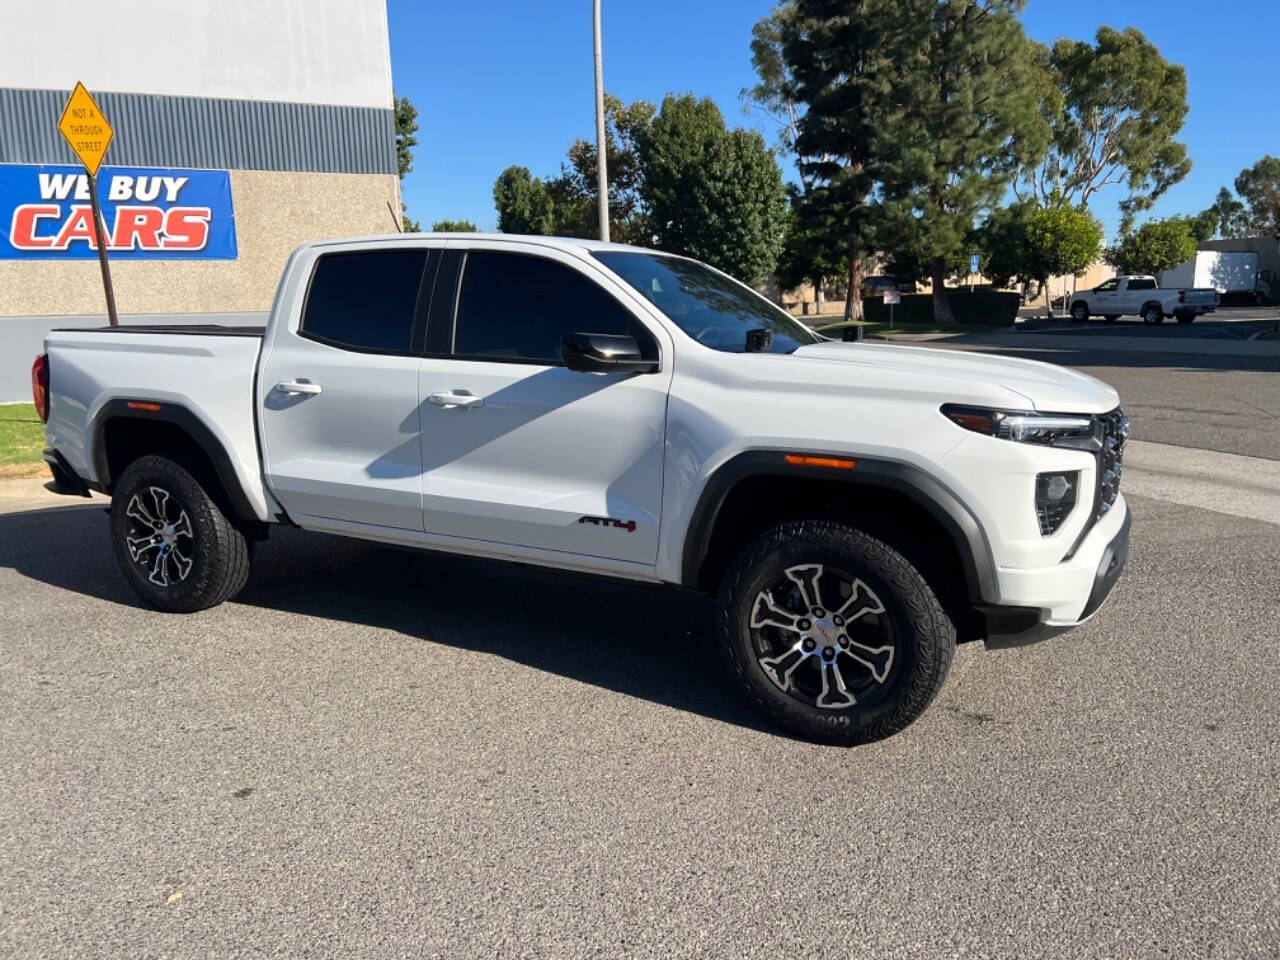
(604, 353)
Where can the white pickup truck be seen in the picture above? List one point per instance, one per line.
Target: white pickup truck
(1141, 296)
(854, 508)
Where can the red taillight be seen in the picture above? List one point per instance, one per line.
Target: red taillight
(40, 386)
(1182, 296)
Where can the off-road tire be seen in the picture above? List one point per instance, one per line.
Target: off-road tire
(925, 636)
(221, 553)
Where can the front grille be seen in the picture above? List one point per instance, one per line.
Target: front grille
(1114, 434)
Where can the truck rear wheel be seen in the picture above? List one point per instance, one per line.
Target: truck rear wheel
(834, 634)
(176, 546)
(1080, 311)
(1153, 313)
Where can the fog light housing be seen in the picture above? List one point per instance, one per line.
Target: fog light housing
(1055, 498)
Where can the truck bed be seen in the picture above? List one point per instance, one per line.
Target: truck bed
(206, 369)
(181, 329)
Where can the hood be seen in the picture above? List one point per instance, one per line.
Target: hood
(1046, 386)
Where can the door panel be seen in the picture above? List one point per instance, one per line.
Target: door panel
(553, 459)
(352, 451)
(530, 453)
(339, 388)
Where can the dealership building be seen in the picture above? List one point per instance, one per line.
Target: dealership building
(242, 128)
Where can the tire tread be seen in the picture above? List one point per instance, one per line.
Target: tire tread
(222, 569)
(925, 613)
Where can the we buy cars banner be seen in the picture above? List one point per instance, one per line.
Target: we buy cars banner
(150, 213)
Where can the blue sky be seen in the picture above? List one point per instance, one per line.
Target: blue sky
(498, 82)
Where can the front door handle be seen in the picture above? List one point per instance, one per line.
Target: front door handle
(299, 386)
(455, 400)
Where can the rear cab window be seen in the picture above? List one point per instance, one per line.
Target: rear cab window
(364, 300)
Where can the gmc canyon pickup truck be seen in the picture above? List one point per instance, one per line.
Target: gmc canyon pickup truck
(854, 508)
(1141, 296)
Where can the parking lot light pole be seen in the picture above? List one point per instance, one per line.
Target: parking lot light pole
(602, 167)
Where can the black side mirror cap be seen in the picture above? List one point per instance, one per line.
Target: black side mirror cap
(604, 353)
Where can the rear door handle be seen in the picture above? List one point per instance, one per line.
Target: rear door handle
(297, 386)
(455, 400)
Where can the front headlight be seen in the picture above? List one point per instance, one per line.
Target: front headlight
(1049, 428)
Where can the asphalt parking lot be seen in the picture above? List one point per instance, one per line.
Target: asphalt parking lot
(377, 753)
(1225, 323)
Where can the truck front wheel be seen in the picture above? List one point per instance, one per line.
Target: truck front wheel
(176, 546)
(834, 634)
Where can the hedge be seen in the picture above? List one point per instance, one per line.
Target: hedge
(986, 308)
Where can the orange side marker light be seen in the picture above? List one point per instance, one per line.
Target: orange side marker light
(834, 463)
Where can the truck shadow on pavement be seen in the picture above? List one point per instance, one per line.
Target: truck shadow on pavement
(647, 642)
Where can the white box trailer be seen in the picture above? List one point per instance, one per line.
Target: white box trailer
(1234, 274)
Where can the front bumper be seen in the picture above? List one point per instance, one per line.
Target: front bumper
(1095, 567)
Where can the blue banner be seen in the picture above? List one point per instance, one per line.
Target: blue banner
(149, 213)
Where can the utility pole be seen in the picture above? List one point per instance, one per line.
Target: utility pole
(602, 166)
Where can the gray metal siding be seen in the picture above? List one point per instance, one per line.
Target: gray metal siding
(160, 131)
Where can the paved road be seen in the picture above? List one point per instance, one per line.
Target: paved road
(1227, 322)
(374, 753)
(1235, 328)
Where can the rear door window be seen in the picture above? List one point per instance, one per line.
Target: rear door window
(518, 307)
(364, 301)
(1142, 284)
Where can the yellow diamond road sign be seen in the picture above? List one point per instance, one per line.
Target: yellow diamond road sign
(86, 129)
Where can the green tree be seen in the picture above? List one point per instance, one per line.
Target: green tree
(567, 204)
(1201, 226)
(454, 226)
(406, 128)
(1259, 187)
(807, 255)
(1230, 218)
(1113, 109)
(1155, 246)
(826, 70)
(1062, 240)
(1001, 242)
(524, 203)
(712, 193)
(967, 122)
(576, 191)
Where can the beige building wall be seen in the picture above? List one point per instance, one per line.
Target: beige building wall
(275, 211)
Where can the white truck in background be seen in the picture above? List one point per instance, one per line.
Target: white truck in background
(1142, 296)
(1234, 274)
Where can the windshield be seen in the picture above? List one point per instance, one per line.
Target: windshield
(706, 305)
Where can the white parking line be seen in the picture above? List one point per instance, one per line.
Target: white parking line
(1222, 482)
